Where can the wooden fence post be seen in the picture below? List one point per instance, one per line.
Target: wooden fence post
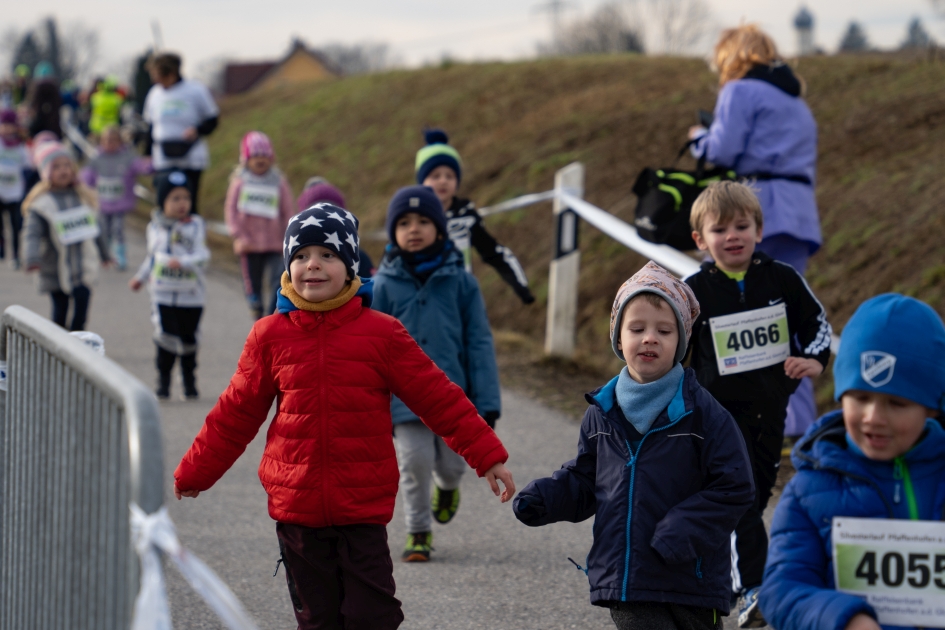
(565, 267)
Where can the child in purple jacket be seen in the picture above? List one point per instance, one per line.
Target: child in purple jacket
(112, 174)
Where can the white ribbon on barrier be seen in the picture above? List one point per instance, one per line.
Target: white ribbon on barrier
(153, 534)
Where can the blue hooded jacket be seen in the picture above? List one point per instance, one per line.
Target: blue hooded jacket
(834, 479)
(761, 128)
(446, 315)
(664, 512)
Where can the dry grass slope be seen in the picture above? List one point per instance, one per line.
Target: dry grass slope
(880, 188)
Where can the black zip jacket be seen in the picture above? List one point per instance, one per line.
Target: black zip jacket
(466, 230)
(767, 282)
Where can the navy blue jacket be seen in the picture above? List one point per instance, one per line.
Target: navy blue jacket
(835, 480)
(664, 513)
(446, 316)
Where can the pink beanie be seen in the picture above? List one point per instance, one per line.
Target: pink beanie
(321, 192)
(45, 154)
(255, 144)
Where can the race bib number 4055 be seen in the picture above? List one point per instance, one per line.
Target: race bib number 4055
(897, 566)
(163, 276)
(751, 340)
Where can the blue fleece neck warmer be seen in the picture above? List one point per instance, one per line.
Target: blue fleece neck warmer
(642, 404)
(893, 345)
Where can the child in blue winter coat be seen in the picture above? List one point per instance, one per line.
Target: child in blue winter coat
(661, 466)
(423, 283)
(879, 457)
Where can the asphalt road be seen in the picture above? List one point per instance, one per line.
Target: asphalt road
(488, 570)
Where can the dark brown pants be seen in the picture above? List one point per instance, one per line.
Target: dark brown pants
(340, 578)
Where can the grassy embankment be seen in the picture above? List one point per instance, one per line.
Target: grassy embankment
(880, 188)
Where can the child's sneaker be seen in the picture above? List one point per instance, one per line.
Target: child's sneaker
(749, 614)
(418, 547)
(445, 504)
(163, 391)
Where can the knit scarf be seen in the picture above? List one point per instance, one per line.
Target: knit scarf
(423, 263)
(350, 290)
(642, 403)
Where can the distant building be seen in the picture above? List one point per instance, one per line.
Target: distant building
(804, 23)
(300, 65)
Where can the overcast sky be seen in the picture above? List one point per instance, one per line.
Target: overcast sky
(418, 31)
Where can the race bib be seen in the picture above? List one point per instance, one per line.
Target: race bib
(751, 340)
(164, 277)
(110, 189)
(897, 566)
(11, 181)
(75, 225)
(259, 200)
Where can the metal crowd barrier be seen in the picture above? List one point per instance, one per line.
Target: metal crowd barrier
(80, 441)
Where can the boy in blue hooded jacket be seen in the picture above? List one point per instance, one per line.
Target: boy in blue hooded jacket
(662, 467)
(423, 283)
(880, 456)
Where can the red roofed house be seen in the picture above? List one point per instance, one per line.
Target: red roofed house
(300, 65)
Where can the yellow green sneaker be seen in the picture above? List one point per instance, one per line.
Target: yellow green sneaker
(445, 504)
(418, 547)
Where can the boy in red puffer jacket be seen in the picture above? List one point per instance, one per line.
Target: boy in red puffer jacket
(329, 465)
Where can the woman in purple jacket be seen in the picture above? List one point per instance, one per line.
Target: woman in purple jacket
(764, 131)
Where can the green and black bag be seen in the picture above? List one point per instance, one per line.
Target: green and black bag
(665, 197)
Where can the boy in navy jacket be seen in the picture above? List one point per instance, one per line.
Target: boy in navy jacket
(879, 457)
(422, 283)
(661, 466)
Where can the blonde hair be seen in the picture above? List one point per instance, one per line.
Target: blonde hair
(109, 129)
(725, 202)
(88, 196)
(741, 48)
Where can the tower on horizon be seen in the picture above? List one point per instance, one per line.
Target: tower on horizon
(804, 23)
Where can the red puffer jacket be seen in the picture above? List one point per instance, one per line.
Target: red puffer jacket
(329, 456)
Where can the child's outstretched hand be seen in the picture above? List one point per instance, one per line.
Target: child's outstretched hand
(501, 473)
(799, 367)
(134, 284)
(192, 494)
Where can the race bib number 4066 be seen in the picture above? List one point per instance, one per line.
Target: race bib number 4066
(897, 566)
(751, 340)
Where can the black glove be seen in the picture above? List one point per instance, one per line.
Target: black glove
(490, 417)
(526, 296)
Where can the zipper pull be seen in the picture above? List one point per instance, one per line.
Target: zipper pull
(896, 498)
(741, 298)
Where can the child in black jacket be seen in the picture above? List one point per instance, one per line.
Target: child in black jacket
(438, 166)
(760, 331)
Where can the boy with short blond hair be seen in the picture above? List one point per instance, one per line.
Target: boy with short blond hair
(661, 467)
(761, 330)
(329, 468)
(879, 457)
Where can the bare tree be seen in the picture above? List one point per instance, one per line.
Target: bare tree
(607, 30)
(360, 58)
(854, 39)
(79, 51)
(672, 27)
(917, 37)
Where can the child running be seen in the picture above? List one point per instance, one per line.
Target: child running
(422, 283)
(438, 166)
(661, 467)
(879, 457)
(329, 466)
(257, 211)
(112, 173)
(174, 268)
(62, 239)
(14, 163)
(761, 330)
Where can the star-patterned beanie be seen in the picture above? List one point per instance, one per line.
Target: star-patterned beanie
(326, 225)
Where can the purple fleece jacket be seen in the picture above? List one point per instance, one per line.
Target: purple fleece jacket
(122, 168)
(759, 128)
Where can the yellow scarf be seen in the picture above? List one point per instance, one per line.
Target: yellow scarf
(325, 305)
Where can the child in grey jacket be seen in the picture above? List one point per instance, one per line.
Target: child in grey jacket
(62, 239)
(174, 268)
